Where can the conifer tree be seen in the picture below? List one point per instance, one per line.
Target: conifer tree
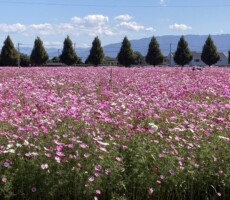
(68, 55)
(38, 55)
(96, 55)
(126, 56)
(154, 56)
(24, 60)
(209, 53)
(9, 55)
(182, 55)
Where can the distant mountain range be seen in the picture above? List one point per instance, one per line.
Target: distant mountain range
(195, 43)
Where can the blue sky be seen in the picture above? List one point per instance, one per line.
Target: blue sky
(53, 20)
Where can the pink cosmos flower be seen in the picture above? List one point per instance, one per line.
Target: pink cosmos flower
(33, 189)
(60, 154)
(119, 159)
(4, 179)
(98, 191)
(150, 191)
(161, 155)
(44, 166)
(48, 155)
(98, 168)
(107, 171)
(57, 159)
(172, 171)
(79, 165)
(158, 182)
(218, 194)
(70, 146)
(207, 133)
(83, 146)
(91, 179)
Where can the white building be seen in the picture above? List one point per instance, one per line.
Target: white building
(196, 60)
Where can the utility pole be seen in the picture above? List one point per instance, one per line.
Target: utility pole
(74, 45)
(19, 54)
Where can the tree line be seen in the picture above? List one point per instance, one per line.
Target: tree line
(126, 56)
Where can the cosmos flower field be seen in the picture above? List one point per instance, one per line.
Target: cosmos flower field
(114, 133)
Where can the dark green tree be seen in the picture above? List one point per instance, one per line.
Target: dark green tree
(109, 61)
(126, 56)
(209, 53)
(38, 55)
(9, 55)
(139, 59)
(79, 60)
(24, 60)
(154, 56)
(68, 55)
(96, 55)
(182, 55)
(228, 57)
(55, 59)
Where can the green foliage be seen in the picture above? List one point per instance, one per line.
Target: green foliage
(68, 55)
(154, 56)
(55, 59)
(24, 60)
(96, 55)
(138, 58)
(109, 61)
(125, 56)
(38, 55)
(9, 55)
(132, 160)
(209, 54)
(79, 60)
(182, 55)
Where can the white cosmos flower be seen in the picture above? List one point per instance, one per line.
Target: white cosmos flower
(26, 143)
(153, 126)
(224, 138)
(9, 151)
(103, 143)
(18, 145)
(9, 146)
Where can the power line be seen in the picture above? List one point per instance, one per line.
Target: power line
(114, 5)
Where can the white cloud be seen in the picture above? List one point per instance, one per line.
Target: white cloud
(84, 45)
(132, 26)
(55, 43)
(96, 19)
(90, 25)
(180, 27)
(123, 18)
(150, 29)
(92, 20)
(12, 28)
(64, 28)
(43, 29)
(76, 20)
